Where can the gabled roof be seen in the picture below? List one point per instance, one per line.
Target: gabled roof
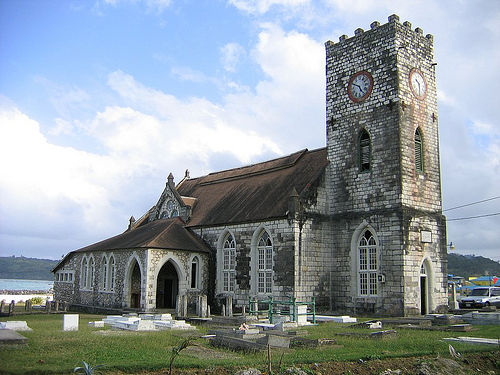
(252, 193)
(168, 234)
(160, 234)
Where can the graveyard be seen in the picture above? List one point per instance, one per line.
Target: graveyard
(56, 343)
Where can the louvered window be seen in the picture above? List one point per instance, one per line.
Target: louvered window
(364, 151)
(419, 153)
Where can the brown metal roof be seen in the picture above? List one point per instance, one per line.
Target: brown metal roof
(163, 234)
(253, 193)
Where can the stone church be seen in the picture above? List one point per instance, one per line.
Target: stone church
(358, 224)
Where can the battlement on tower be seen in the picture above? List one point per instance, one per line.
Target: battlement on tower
(392, 19)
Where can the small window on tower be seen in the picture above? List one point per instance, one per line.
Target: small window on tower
(364, 151)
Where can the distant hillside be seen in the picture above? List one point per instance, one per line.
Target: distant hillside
(26, 268)
(468, 265)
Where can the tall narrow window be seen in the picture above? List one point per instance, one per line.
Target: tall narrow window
(111, 278)
(104, 273)
(419, 151)
(84, 274)
(368, 265)
(228, 264)
(91, 273)
(194, 273)
(265, 264)
(364, 151)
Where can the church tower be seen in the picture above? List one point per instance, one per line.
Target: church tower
(383, 185)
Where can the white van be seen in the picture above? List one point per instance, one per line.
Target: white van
(482, 296)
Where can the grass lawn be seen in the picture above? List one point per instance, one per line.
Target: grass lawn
(50, 350)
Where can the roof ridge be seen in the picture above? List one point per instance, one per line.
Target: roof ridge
(298, 155)
(261, 162)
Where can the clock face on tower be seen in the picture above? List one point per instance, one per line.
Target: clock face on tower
(418, 85)
(360, 86)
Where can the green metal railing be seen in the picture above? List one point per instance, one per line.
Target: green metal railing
(281, 308)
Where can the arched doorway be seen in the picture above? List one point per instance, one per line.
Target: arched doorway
(135, 286)
(167, 287)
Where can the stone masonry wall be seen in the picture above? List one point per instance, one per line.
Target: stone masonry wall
(313, 250)
(119, 296)
(96, 295)
(282, 236)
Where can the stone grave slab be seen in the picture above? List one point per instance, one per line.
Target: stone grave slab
(460, 327)
(9, 337)
(139, 325)
(302, 314)
(70, 322)
(111, 319)
(249, 334)
(383, 334)
(274, 341)
(97, 324)
(172, 324)
(15, 325)
(236, 343)
(336, 319)
(474, 340)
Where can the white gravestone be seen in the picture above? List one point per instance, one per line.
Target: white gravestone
(70, 322)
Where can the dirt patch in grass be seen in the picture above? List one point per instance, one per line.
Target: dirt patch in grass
(473, 363)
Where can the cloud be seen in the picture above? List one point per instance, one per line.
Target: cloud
(171, 124)
(263, 6)
(53, 178)
(64, 99)
(151, 5)
(188, 74)
(231, 55)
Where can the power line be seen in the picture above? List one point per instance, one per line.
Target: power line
(473, 217)
(471, 204)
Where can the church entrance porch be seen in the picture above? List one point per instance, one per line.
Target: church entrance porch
(167, 287)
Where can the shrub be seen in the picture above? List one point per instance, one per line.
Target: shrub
(36, 300)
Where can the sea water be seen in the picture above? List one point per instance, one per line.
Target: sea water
(14, 284)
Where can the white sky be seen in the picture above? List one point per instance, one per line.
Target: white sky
(101, 100)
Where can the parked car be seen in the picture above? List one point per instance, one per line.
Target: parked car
(482, 296)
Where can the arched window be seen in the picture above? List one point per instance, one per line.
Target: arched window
(228, 263)
(367, 264)
(104, 273)
(419, 151)
(90, 279)
(364, 151)
(169, 209)
(194, 272)
(84, 274)
(111, 278)
(264, 264)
